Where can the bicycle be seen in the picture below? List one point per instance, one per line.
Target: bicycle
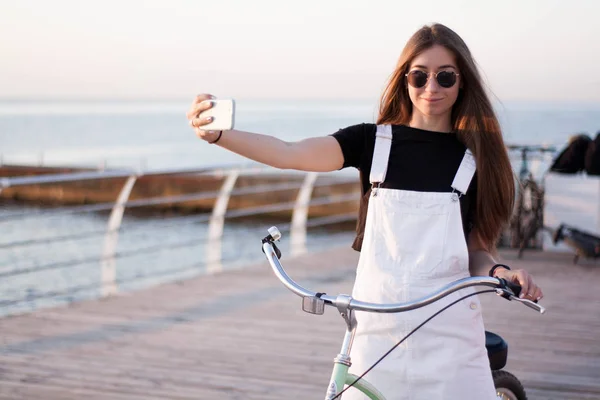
(528, 215)
(508, 386)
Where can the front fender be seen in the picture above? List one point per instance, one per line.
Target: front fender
(365, 387)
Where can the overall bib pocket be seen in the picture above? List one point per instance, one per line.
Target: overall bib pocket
(423, 258)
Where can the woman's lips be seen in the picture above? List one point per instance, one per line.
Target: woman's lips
(432, 100)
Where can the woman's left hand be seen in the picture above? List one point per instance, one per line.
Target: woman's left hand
(529, 289)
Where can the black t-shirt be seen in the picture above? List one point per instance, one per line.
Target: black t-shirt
(420, 160)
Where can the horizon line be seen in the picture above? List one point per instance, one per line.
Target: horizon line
(170, 99)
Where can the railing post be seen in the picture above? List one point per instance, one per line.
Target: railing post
(214, 254)
(109, 275)
(300, 215)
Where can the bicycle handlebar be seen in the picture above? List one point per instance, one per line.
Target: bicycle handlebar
(503, 288)
(527, 148)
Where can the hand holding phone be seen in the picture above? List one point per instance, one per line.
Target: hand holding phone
(222, 112)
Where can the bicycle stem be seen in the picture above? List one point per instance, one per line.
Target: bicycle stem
(343, 306)
(342, 362)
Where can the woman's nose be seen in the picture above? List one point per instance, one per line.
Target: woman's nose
(432, 84)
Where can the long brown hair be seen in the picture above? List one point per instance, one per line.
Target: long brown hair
(473, 121)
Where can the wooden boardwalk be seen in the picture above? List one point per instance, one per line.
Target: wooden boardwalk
(241, 335)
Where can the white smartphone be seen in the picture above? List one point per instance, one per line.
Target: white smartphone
(223, 113)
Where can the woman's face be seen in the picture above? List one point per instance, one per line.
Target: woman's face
(433, 99)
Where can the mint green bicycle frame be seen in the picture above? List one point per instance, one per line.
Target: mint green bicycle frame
(340, 376)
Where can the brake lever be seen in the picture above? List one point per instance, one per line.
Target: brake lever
(507, 294)
(530, 304)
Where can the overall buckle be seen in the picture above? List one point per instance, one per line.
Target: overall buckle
(374, 187)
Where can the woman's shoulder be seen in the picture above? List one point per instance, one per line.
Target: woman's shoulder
(357, 135)
(356, 141)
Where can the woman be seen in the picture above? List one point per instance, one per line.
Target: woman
(426, 218)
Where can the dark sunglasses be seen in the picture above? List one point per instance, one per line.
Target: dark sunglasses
(418, 79)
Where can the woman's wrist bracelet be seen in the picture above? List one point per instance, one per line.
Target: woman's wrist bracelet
(495, 267)
(217, 139)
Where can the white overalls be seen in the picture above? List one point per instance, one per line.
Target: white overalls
(413, 244)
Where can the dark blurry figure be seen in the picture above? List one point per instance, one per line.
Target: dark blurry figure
(572, 159)
(592, 156)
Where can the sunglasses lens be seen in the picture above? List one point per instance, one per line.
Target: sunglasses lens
(446, 79)
(417, 79)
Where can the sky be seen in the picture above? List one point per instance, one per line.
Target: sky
(541, 50)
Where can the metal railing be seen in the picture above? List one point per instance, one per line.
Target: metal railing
(107, 236)
(212, 258)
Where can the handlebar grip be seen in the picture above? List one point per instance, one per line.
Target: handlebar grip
(514, 287)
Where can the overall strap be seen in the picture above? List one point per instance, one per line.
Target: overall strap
(381, 154)
(465, 173)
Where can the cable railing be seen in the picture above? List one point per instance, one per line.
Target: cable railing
(290, 195)
(141, 203)
(72, 290)
(150, 249)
